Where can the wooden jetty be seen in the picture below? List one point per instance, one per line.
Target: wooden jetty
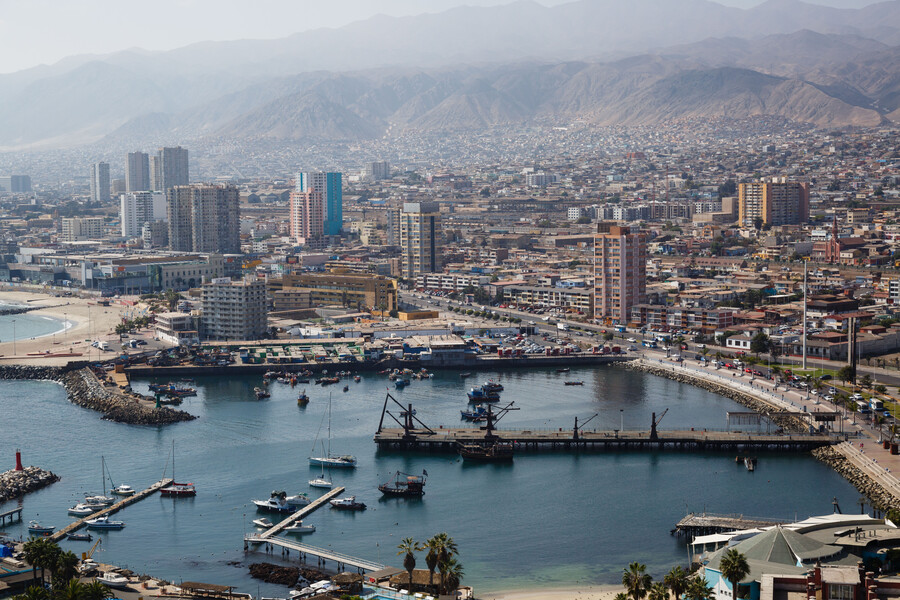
(449, 440)
(705, 523)
(308, 509)
(111, 509)
(13, 515)
(304, 550)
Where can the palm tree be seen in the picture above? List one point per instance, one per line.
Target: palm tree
(636, 580)
(451, 574)
(734, 568)
(447, 549)
(409, 547)
(434, 547)
(699, 589)
(622, 596)
(677, 581)
(73, 590)
(96, 591)
(34, 592)
(66, 566)
(32, 554)
(658, 591)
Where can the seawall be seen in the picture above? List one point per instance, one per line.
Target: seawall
(14, 484)
(878, 496)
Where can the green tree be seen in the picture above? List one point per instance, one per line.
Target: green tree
(759, 343)
(96, 591)
(622, 596)
(866, 381)
(699, 589)
(734, 568)
(636, 580)
(451, 574)
(433, 546)
(34, 592)
(677, 581)
(846, 374)
(408, 547)
(71, 590)
(658, 591)
(881, 389)
(66, 566)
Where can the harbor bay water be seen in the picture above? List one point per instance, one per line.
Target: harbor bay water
(551, 519)
(27, 326)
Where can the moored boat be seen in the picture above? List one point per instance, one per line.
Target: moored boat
(85, 510)
(404, 485)
(574, 383)
(298, 528)
(175, 489)
(347, 503)
(328, 461)
(113, 580)
(261, 393)
(496, 452)
(38, 529)
(276, 503)
(123, 490)
(480, 394)
(492, 386)
(401, 383)
(478, 413)
(104, 523)
(80, 537)
(263, 522)
(321, 482)
(302, 399)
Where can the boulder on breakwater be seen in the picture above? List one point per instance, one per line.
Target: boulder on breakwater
(14, 484)
(85, 390)
(787, 423)
(877, 495)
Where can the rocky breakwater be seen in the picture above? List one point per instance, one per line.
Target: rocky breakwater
(86, 391)
(743, 398)
(14, 484)
(880, 498)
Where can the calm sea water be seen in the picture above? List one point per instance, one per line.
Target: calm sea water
(546, 519)
(27, 325)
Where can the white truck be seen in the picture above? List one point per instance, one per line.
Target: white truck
(562, 327)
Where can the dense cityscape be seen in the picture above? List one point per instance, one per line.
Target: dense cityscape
(614, 308)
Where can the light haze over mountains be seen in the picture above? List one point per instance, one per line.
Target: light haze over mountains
(599, 61)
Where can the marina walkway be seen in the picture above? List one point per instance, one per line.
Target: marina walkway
(13, 515)
(308, 509)
(704, 523)
(110, 509)
(342, 560)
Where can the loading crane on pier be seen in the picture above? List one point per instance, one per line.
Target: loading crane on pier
(654, 422)
(578, 428)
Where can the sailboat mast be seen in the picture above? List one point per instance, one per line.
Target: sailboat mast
(103, 472)
(173, 460)
(328, 455)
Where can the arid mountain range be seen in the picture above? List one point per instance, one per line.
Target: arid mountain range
(596, 61)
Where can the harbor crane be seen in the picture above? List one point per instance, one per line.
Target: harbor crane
(491, 418)
(654, 422)
(578, 428)
(408, 416)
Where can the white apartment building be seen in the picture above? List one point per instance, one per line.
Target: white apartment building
(77, 229)
(137, 208)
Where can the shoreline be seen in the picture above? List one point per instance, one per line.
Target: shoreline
(589, 592)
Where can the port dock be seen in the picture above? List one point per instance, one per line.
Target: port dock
(128, 500)
(13, 516)
(705, 523)
(448, 440)
(322, 554)
(308, 509)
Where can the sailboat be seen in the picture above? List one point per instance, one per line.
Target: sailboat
(121, 489)
(177, 489)
(328, 461)
(103, 500)
(321, 481)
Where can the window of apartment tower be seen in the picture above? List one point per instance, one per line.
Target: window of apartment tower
(840, 592)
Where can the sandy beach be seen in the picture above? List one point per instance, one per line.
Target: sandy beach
(594, 592)
(85, 317)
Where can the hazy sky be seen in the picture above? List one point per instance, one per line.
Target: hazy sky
(34, 32)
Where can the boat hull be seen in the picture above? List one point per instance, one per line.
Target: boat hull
(332, 463)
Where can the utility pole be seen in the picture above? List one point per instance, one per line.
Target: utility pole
(805, 287)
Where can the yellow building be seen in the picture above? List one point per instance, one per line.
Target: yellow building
(350, 290)
(775, 202)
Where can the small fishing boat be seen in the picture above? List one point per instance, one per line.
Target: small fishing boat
(300, 528)
(491, 386)
(404, 485)
(263, 522)
(346, 388)
(113, 580)
(464, 375)
(298, 500)
(104, 523)
(566, 370)
(80, 537)
(574, 383)
(750, 463)
(401, 383)
(261, 393)
(85, 510)
(302, 399)
(347, 503)
(328, 380)
(357, 378)
(478, 413)
(123, 490)
(479, 394)
(38, 529)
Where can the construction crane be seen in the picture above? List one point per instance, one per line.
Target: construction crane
(654, 422)
(491, 418)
